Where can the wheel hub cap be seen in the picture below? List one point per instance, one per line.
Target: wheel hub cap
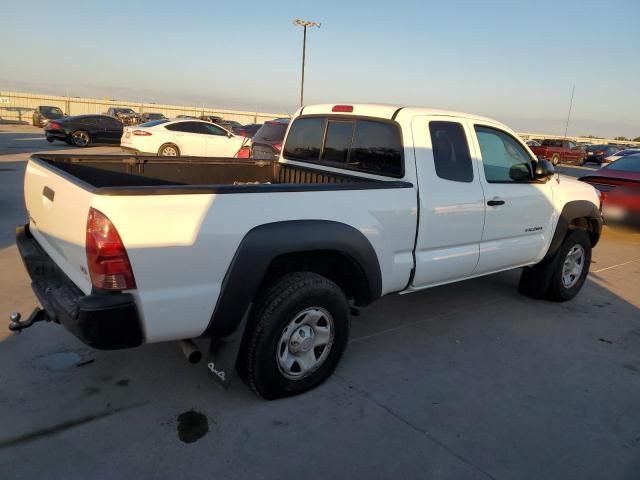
(573, 266)
(302, 340)
(305, 343)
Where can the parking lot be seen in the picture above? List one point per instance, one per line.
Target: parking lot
(469, 380)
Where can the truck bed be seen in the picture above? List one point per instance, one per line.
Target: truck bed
(133, 175)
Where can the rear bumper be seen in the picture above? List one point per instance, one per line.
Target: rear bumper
(135, 151)
(56, 134)
(105, 321)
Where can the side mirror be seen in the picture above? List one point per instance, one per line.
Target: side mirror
(544, 170)
(520, 172)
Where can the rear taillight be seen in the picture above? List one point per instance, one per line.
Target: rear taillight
(141, 133)
(277, 147)
(244, 152)
(342, 108)
(54, 125)
(107, 258)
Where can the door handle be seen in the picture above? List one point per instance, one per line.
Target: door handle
(495, 202)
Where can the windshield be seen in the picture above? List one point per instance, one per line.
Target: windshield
(51, 111)
(626, 164)
(154, 116)
(271, 132)
(153, 123)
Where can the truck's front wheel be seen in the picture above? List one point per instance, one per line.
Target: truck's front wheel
(299, 331)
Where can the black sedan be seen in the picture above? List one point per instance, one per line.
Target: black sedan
(43, 113)
(597, 153)
(85, 130)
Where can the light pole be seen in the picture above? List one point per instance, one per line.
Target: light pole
(304, 24)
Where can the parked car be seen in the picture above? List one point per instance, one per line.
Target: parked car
(194, 138)
(597, 153)
(364, 201)
(84, 130)
(559, 151)
(619, 187)
(211, 118)
(266, 144)
(149, 116)
(247, 130)
(42, 115)
(620, 154)
(127, 116)
(229, 124)
(533, 143)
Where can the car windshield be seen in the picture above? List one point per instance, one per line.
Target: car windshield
(596, 147)
(271, 132)
(153, 123)
(51, 110)
(630, 163)
(154, 116)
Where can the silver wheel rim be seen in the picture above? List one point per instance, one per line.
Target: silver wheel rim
(573, 266)
(81, 139)
(305, 343)
(169, 152)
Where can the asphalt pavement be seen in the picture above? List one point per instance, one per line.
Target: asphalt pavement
(463, 381)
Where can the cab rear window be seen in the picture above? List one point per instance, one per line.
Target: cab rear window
(356, 144)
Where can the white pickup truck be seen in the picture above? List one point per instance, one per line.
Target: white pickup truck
(364, 201)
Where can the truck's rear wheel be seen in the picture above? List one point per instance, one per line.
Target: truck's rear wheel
(555, 159)
(296, 339)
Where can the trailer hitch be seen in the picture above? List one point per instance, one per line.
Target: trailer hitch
(38, 315)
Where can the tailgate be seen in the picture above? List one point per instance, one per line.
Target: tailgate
(58, 210)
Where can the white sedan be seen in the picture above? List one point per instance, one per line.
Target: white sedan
(170, 138)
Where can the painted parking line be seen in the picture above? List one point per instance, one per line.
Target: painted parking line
(615, 266)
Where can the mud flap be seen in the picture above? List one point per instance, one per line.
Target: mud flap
(223, 353)
(535, 280)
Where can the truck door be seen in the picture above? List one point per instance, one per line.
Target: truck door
(519, 216)
(451, 202)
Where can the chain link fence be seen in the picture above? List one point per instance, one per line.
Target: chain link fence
(18, 107)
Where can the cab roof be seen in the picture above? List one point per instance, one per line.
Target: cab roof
(384, 111)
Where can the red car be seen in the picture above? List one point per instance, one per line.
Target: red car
(619, 187)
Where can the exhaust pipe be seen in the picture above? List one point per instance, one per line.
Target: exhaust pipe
(191, 351)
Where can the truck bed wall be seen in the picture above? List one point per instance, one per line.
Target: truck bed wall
(131, 172)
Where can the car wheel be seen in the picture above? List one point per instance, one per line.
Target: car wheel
(80, 138)
(169, 150)
(49, 139)
(555, 159)
(296, 337)
(572, 267)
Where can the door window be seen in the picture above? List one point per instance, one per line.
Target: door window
(451, 151)
(186, 127)
(504, 160)
(209, 129)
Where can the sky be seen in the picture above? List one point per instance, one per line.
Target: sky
(515, 61)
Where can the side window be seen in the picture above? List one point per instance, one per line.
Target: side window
(338, 141)
(376, 148)
(451, 151)
(304, 140)
(111, 123)
(504, 160)
(212, 130)
(187, 127)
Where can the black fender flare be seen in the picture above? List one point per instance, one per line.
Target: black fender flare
(570, 212)
(264, 243)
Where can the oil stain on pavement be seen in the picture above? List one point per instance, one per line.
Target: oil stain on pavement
(192, 426)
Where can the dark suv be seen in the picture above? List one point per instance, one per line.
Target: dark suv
(42, 115)
(267, 141)
(597, 153)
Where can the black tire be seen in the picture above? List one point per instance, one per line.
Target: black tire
(162, 151)
(276, 311)
(81, 138)
(555, 159)
(544, 280)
